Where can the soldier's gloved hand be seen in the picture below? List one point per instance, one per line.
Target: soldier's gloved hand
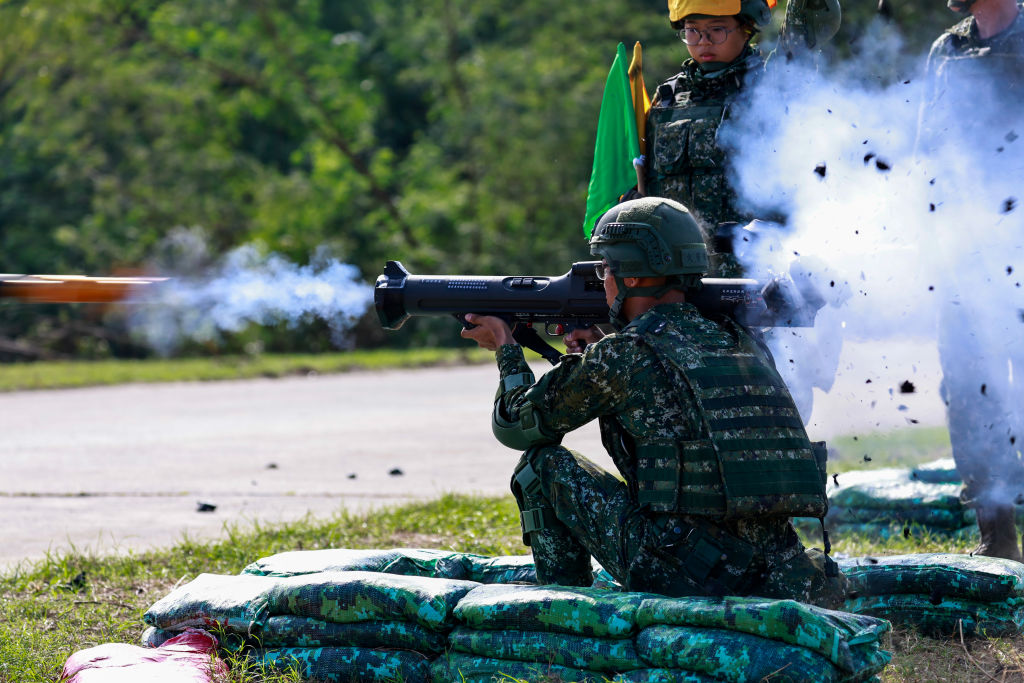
(489, 331)
(578, 339)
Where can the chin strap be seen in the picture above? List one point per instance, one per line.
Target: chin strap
(656, 291)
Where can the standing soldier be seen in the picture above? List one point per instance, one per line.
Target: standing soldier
(974, 96)
(699, 424)
(685, 160)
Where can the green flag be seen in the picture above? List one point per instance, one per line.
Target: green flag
(616, 146)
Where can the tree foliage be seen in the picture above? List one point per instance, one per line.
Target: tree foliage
(455, 135)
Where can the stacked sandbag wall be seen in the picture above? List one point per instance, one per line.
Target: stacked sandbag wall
(303, 610)
(939, 594)
(887, 502)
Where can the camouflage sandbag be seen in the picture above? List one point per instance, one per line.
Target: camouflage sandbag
(943, 518)
(233, 604)
(848, 641)
(662, 676)
(559, 609)
(155, 637)
(937, 472)
(346, 597)
(933, 615)
(462, 668)
(407, 561)
(595, 654)
(978, 578)
(891, 490)
(502, 569)
(348, 664)
(736, 657)
(313, 561)
(292, 631)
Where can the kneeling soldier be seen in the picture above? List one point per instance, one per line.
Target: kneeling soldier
(696, 419)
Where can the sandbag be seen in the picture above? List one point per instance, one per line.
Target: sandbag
(345, 597)
(937, 472)
(410, 561)
(345, 664)
(189, 657)
(848, 641)
(155, 637)
(594, 654)
(891, 490)
(502, 569)
(462, 668)
(936, 616)
(292, 631)
(234, 604)
(978, 578)
(560, 609)
(734, 656)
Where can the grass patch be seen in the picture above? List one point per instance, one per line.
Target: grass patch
(68, 374)
(69, 602)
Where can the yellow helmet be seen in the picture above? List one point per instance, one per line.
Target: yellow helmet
(759, 11)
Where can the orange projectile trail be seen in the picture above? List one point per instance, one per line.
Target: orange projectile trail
(75, 289)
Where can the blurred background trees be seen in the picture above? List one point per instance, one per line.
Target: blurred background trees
(455, 135)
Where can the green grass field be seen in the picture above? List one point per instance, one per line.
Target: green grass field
(68, 374)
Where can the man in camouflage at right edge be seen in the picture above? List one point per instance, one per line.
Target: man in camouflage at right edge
(975, 100)
(698, 422)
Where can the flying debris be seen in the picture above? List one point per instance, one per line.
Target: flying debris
(907, 387)
(820, 170)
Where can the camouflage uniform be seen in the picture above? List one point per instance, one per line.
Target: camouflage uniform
(975, 92)
(685, 161)
(668, 528)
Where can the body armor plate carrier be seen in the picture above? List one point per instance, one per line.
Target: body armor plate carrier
(753, 457)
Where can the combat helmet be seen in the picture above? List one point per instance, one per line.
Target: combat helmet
(649, 237)
(758, 12)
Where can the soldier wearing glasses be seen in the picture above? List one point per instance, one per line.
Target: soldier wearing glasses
(684, 160)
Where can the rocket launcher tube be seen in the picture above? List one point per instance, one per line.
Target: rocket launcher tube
(61, 289)
(573, 300)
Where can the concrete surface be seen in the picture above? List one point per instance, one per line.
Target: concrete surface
(122, 468)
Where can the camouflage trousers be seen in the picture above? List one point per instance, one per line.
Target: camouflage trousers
(983, 398)
(572, 509)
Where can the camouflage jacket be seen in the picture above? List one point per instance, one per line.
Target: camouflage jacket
(655, 419)
(975, 86)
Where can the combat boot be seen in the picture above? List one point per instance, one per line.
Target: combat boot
(998, 532)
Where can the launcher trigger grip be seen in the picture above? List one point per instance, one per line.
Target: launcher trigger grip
(461, 317)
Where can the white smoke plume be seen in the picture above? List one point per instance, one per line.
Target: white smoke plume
(895, 231)
(202, 301)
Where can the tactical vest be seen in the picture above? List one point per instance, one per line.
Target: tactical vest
(684, 159)
(752, 457)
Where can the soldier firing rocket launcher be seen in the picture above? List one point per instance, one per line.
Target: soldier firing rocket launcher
(576, 299)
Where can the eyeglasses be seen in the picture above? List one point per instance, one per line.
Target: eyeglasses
(602, 270)
(716, 35)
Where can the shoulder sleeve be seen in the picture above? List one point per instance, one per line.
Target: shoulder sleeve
(574, 392)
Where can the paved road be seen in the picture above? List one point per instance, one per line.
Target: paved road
(120, 468)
